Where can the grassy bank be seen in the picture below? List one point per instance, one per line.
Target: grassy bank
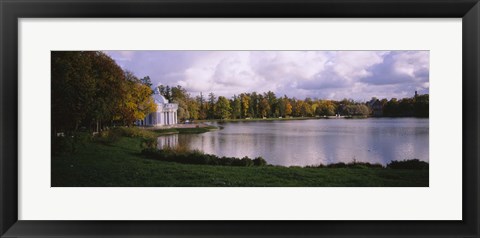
(119, 162)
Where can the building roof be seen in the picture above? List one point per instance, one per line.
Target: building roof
(159, 99)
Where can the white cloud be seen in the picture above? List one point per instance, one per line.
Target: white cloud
(322, 74)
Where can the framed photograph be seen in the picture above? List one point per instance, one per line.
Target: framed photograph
(251, 118)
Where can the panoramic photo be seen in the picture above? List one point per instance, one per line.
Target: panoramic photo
(240, 118)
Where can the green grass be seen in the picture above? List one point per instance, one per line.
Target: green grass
(120, 164)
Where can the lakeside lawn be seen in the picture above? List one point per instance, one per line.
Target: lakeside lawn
(120, 163)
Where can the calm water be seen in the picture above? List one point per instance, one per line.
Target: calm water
(311, 142)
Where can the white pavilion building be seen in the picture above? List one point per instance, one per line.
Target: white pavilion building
(165, 115)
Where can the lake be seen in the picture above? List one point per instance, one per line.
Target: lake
(313, 142)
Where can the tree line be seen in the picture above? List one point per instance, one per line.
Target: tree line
(417, 106)
(268, 105)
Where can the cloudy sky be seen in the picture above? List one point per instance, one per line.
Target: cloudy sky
(359, 75)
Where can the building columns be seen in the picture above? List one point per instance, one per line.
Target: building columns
(165, 118)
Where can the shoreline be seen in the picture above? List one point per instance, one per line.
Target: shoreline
(179, 126)
(302, 118)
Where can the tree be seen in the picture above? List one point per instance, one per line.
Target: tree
(298, 108)
(181, 97)
(161, 90)
(288, 108)
(391, 108)
(137, 102)
(421, 106)
(202, 107)
(146, 81)
(280, 107)
(357, 110)
(347, 102)
(211, 106)
(325, 108)
(106, 103)
(166, 92)
(272, 103)
(223, 108)
(245, 103)
(91, 91)
(178, 93)
(73, 88)
(253, 107)
(362, 110)
(306, 109)
(264, 107)
(406, 107)
(193, 108)
(236, 107)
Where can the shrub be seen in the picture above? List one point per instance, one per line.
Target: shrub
(112, 135)
(407, 164)
(198, 157)
(259, 161)
(148, 143)
(354, 165)
(337, 165)
(135, 132)
(69, 142)
(247, 162)
(363, 165)
(108, 136)
(226, 161)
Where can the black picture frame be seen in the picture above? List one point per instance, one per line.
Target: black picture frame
(11, 11)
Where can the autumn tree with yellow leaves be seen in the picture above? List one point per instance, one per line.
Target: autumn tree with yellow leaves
(91, 92)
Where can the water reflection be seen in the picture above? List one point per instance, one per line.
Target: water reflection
(168, 141)
(310, 142)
